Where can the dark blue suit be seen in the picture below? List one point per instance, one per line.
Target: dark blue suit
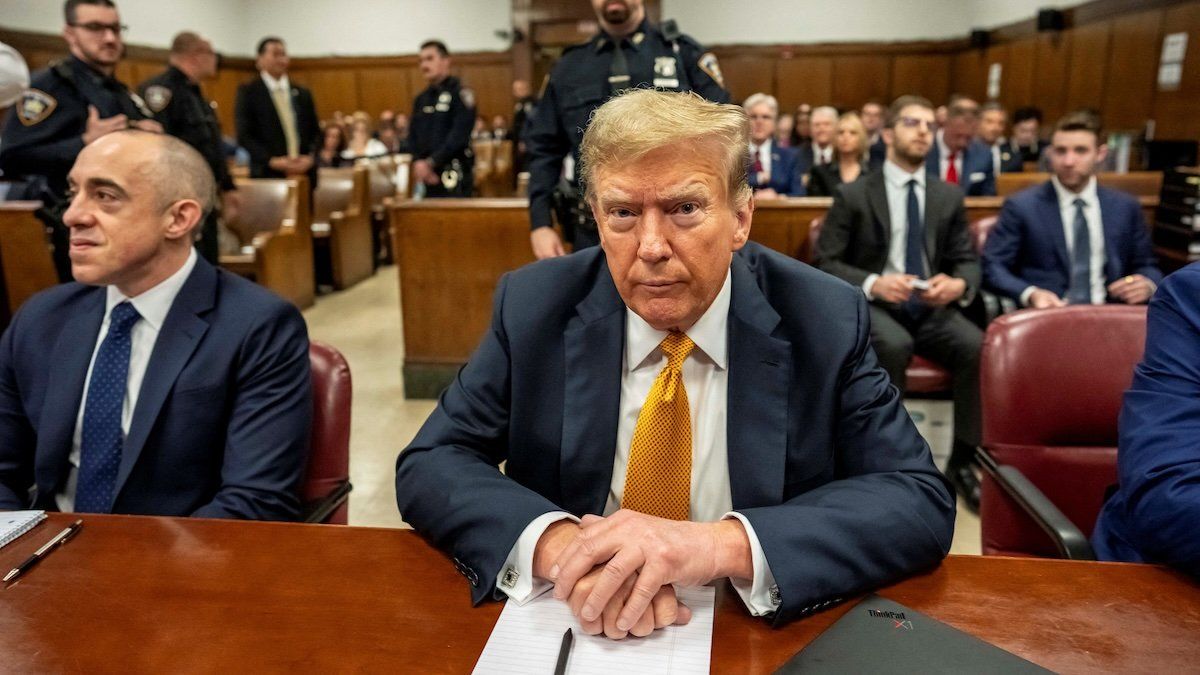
(222, 422)
(823, 459)
(784, 177)
(1027, 247)
(978, 176)
(1153, 516)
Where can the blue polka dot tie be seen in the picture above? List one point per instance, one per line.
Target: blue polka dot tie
(102, 437)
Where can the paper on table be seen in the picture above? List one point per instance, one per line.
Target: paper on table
(526, 640)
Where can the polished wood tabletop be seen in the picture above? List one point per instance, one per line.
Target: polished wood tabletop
(135, 594)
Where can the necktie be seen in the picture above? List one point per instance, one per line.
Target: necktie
(757, 169)
(951, 170)
(914, 249)
(1080, 291)
(618, 75)
(101, 438)
(287, 119)
(658, 479)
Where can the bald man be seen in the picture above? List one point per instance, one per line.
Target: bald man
(156, 383)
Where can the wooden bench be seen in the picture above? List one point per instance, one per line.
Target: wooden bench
(342, 221)
(25, 257)
(1136, 183)
(274, 227)
(493, 168)
(389, 180)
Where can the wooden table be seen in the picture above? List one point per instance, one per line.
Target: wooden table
(134, 594)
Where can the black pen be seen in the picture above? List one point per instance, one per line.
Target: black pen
(59, 539)
(564, 653)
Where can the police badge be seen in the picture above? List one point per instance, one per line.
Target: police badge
(35, 106)
(708, 63)
(158, 97)
(664, 72)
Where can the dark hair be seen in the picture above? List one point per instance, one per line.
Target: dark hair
(70, 5)
(992, 105)
(262, 44)
(1081, 120)
(959, 111)
(185, 42)
(903, 102)
(1027, 113)
(436, 44)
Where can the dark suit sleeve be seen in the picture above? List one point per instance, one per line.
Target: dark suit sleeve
(959, 259)
(1142, 258)
(887, 513)
(249, 135)
(1159, 459)
(817, 187)
(48, 148)
(988, 189)
(448, 484)
(1001, 251)
(17, 439)
(835, 240)
(546, 144)
(795, 186)
(692, 54)
(458, 138)
(267, 443)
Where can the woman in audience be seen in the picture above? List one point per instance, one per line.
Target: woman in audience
(332, 144)
(783, 130)
(362, 144)
(800, 129)
(851, 149)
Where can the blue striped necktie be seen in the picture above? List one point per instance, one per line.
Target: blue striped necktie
(1080, 292)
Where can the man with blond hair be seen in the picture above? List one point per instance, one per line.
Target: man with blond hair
(676, 406)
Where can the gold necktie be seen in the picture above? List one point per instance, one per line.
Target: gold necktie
(658, 479)
(283, 108)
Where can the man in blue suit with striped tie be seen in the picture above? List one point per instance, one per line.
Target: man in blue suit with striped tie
(1070, 241)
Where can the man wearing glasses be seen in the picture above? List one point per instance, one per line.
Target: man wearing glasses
(69, 105)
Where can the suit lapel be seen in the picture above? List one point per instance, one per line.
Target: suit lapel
(592, 346)
(931, 222)
(1108, 217)
(72, 354)
(1051, 216)
(760, 368)
(877, 198)
(180, 334)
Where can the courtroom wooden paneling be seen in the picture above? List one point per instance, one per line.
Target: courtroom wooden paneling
(1089, 60)
(1051, 71)
(803, 79)
(746, 74)
(925, 75)
(384, 88)
(969, 73)
(1016, 88)
(1132, 70)
(1175, 111)
(857, 79)
(1136, 183)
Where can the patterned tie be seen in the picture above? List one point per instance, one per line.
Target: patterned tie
(658, 479)
(287, 119)
(101, 438)
(1080, 292)
(951, 170)
(914, 250)
(757, 169)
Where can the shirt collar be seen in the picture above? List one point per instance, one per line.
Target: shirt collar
(708, 333)
(273, 84)
(899, 178)
(1067, 198)
(154, 304)
(943, 149)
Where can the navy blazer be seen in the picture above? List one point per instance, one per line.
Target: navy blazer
(824, 461)
(1153, 515)
(1027, 247)
(978, 178)
(222, 423)
(784, 177)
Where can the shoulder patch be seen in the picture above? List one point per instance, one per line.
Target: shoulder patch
(468, 97)
(708, 63)
(141, 105)
(157, 97)
(35, 106)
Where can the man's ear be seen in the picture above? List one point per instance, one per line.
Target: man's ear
(743, 216)
(1101, 154)
(888, 135)
(183, 218)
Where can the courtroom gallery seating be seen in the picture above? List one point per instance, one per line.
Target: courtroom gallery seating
(327, 487)
(274, 227)
(24, 256)
(1136, 183)
(1051, 383)
(342, 224)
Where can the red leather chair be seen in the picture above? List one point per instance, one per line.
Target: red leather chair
(1051, 383)
(327, 486)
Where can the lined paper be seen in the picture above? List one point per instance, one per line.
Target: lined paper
(526, 640)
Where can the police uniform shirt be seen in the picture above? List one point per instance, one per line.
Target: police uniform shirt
(579, 84)
(441, 123)
(180, 106)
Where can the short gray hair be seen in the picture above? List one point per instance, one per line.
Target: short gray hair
(755, 100)
(824, 111)
(178, 172)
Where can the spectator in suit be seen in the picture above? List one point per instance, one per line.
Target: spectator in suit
(402, 127)
(901, 235)
(1026, 134)
(802, 126)
(1069, 240)
(156, 383)
(772, 168)
(277, 120)
(873, 113)
(958, 158)
(800, 477)
(851, 152)
(783, 130)
(818, 150)
(386, 133)
(1152, 517)
(992, 120)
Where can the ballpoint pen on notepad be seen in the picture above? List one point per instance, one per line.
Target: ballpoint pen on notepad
(564, 653)
(58, 540)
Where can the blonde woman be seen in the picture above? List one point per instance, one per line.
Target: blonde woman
(850, 150)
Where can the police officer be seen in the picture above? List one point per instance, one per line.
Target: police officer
(68, 105)
(440, 130)
(175, 99)
(628, 52)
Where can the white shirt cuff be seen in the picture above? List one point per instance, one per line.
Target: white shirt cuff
(760, 594)
(1025, 295)
(871, 278)
(516, 577)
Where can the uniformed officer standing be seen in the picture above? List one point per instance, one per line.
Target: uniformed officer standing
(440, 131)
(178, 104)
(68, 105)
(628, 52)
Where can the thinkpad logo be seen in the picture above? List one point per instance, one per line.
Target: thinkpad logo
(898, 618)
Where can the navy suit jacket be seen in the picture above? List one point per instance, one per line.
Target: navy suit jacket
(222, 423)
(824, 461)
(1027, 246)
(784, 177)
(1153, 515)
(978, 177)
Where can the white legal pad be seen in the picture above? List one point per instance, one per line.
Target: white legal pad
(526, 640)
(16, 523)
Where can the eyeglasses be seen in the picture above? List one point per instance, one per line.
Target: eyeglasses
(97, 27)
(915, 123)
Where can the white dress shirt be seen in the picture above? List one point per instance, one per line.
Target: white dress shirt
(944, 160)
(706, 380)
(274, 84)
(1095, 226)
(896, 181)
(763, 153)
(822, 155)
(153, 306)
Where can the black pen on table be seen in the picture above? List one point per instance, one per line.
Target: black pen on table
(564, 653)
(58, 540)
